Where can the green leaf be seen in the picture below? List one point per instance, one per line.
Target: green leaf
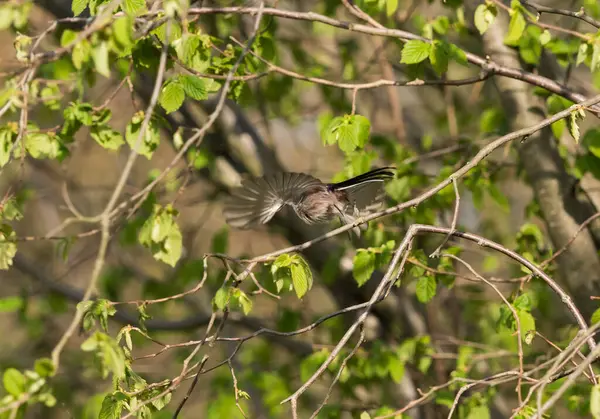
(523, 302)
(328, 132)
(45, 367)
(572, 125)
(111, 407)
(527, 322)
(390, 7)
(426, 288)
(108, 352)
(458, 55)
(596, 316)
(396, 368)
(186, 48)
(100, 57)
(301, 277)
(134, 7)
(11, 304)
(364, 266)
(12, 209)
(415, 51)
(282, 261)
(485, 14)
(557, 104)
(399, 188)
(14, 382)
(194, 87)
(220, 298)
(245, 302)
(582, 53)
(595, 64)
(362, 129)
(42, 145)
(350, 132)
(545, 37)
(123, 33)
(172, 95)
(8, 248)
(516, 28)
(595, 401)
(479, 412)
(78, 6)
(438, 56)
(160, 233)
(591, 141)
(8, 137)
(81, 53)
(150, 140)
(107, 137)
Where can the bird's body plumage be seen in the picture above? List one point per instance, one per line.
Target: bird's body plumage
(257, 200)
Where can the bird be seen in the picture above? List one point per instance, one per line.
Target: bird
(258, 199)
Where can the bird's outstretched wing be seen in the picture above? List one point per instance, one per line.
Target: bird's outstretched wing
(366, 191)
(257, 200)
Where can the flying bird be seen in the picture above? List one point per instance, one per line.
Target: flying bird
(257, 200)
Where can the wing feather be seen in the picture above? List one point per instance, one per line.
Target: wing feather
(257, 200)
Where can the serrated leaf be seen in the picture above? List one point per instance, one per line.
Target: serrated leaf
(172, 95)
(194, 87)
(516, 28)
(363, 267)
(41, 145)
(426, 288)
(111, 408)
(283, 261)
(572, 125)
(134, 7)
(415, 51)
(301, 278)
(186, 47)
(107, 137)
